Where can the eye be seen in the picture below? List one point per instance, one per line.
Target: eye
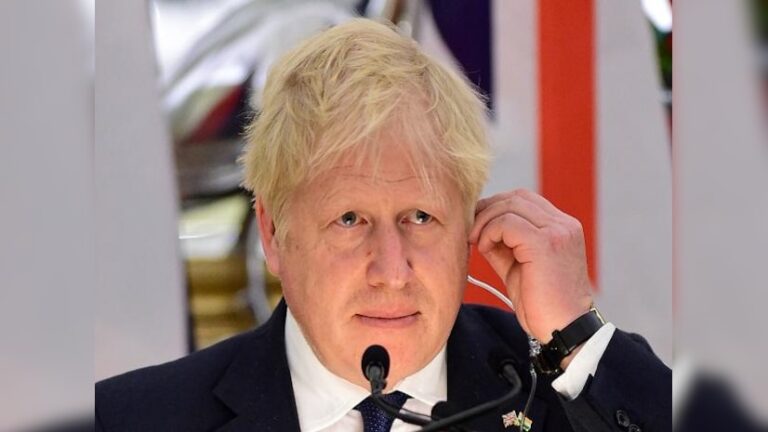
(348, 219)
(420, 217)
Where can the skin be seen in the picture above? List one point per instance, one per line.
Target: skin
(372, 260)
(539, 252)
(377, 260)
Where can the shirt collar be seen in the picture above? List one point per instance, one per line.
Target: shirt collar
(323, 398)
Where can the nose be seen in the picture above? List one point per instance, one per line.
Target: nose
(389, 266)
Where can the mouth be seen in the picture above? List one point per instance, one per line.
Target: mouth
(388, 320)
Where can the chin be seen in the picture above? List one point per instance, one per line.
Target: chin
(410, 348)
(407, 355)
(403, 364)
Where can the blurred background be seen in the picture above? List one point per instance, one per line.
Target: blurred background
(213, 57)
(136, 111)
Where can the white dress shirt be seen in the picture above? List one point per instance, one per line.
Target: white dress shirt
(584, 363)
(325, 402)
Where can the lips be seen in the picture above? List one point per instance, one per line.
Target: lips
(388, 313)
(388, 319)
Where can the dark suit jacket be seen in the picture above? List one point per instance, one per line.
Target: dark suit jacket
(243, 384)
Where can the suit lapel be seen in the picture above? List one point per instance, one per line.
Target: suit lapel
(257, 385)
(472, 378)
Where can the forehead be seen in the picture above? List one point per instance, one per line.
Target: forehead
(391, 173)
(385, 181)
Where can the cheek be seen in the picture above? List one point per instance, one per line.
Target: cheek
(346, 245)
(442, 268)
(299, 271)
(316, 273)
(449, 249)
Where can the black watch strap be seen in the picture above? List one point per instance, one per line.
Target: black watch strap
(566, 340)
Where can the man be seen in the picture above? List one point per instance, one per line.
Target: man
(366, 162)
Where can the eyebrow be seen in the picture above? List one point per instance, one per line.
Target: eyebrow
(424, 201)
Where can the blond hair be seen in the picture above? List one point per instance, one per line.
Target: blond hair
(336, 92)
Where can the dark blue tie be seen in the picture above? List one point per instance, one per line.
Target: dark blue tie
(374, 418)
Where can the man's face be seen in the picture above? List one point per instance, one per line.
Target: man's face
(373, 260)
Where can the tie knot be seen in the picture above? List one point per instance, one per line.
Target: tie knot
(374, 418)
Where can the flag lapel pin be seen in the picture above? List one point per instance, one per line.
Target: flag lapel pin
(515, 419)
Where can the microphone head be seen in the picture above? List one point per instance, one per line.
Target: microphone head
(498, 359)
(376, 356)
(444, 409)
(503, 365)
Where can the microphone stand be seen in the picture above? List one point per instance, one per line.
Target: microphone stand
(470, 413)
(375, 366)
(410, 416)
(430, 425)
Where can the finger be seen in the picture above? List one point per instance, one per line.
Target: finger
(485, 202)
(540, 201)
(514, 204)
(508, 229)
(527, 194)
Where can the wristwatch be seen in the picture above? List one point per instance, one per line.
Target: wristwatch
(547, 359)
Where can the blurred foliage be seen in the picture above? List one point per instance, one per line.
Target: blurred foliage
(760, 17)
(663, 41)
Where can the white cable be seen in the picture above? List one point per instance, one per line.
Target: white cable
(533, 345)
(492, 290)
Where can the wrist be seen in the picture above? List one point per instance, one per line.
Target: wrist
(553, 357)
(546, 335)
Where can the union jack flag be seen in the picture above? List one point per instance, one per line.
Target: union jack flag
(515, 419)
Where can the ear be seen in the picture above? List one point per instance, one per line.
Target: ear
(268, 239)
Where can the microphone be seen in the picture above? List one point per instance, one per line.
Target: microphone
(444, 409)
(506, 368)
(375, 365)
